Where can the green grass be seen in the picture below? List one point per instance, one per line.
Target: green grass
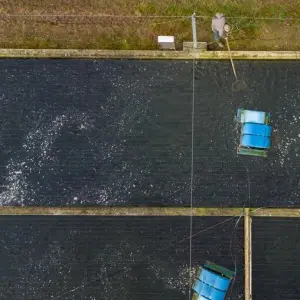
(249, 33)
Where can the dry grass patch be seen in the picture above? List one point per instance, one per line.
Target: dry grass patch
(86, 30)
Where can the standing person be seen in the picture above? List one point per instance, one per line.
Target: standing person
(217, 25)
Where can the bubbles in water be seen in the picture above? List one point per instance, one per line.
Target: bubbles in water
(37, 145)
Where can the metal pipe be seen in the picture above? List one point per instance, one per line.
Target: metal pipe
(248, 253)
(194, 29)
(232, 64)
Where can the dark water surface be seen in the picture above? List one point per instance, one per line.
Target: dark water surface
(124, 258)
(276, 260)
(83, 132)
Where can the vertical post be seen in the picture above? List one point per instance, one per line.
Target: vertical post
(194, 29)
(248, 254)
(250, 231)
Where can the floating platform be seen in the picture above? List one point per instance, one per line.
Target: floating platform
(212, 282)
(255, 131)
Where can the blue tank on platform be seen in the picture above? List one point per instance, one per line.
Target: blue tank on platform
(255, 132)
(212, 282)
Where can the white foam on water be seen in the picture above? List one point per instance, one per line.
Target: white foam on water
(178, 280)
(37, 145)
(126, 110)
(16, 185)
(289, 140)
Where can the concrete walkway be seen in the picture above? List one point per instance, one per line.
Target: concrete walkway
(146, 54)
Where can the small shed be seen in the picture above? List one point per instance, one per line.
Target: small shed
(166, 42)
